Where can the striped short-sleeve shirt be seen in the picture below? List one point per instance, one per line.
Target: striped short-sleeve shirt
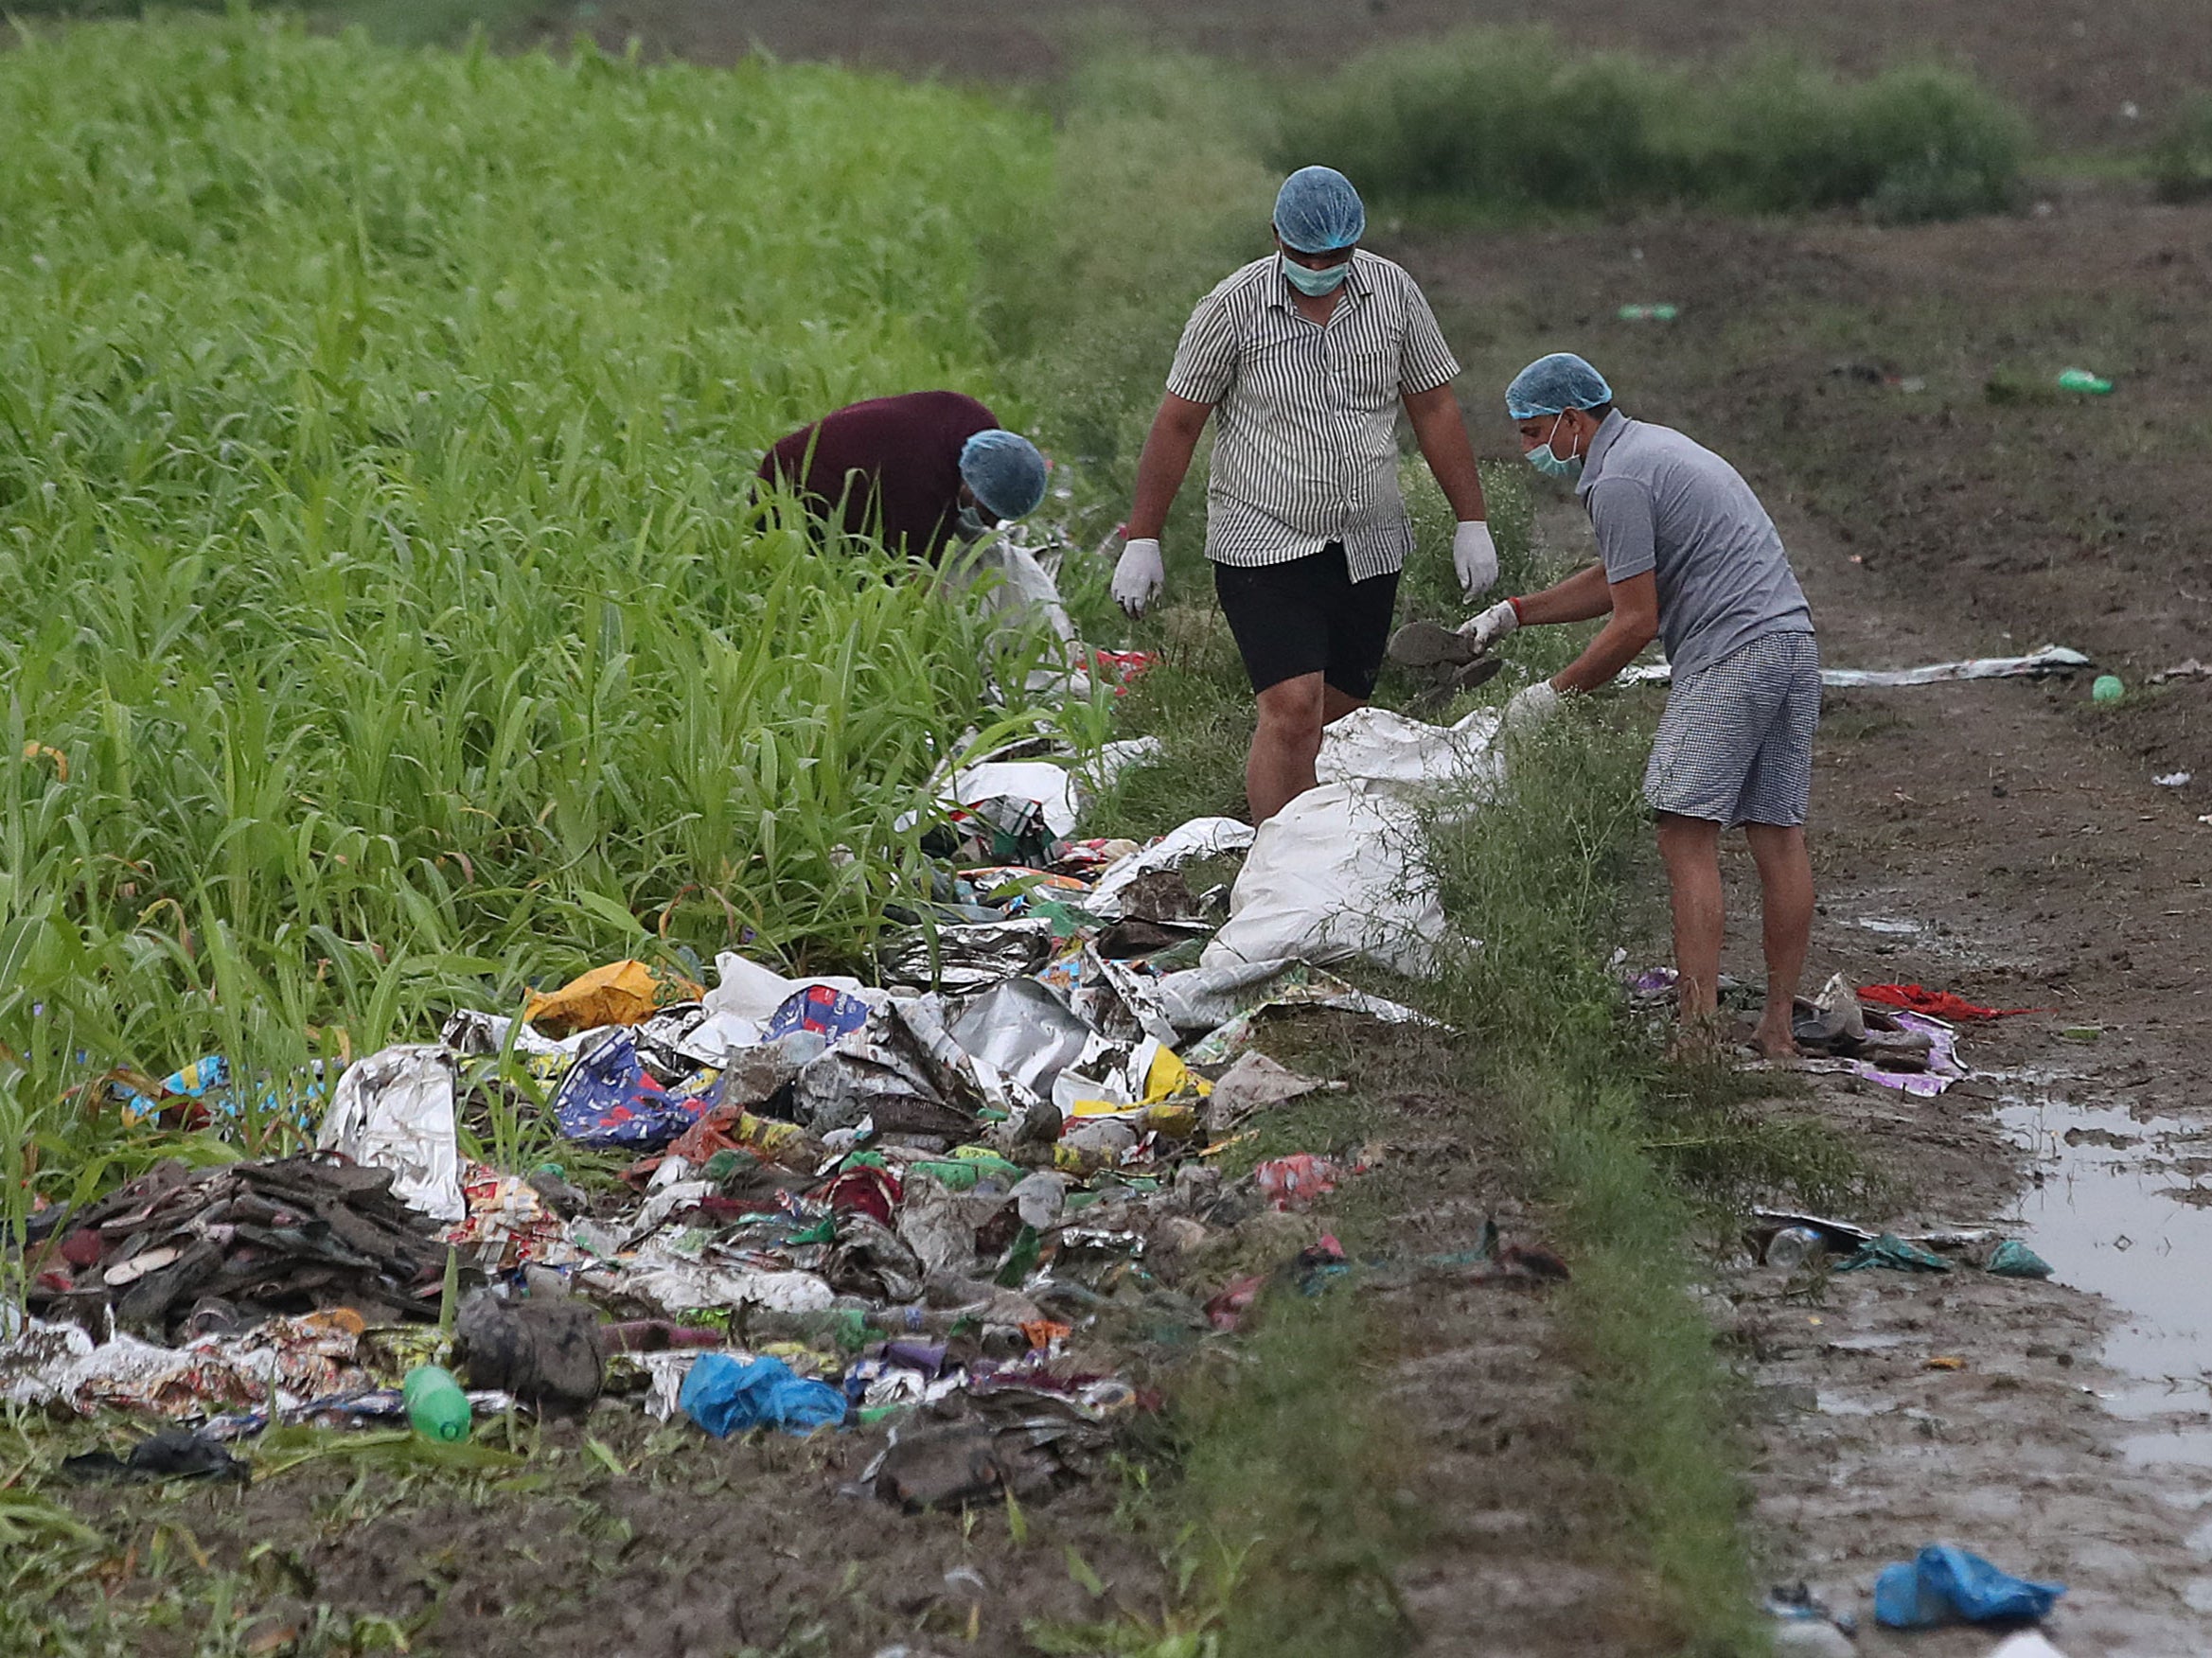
(1305, 446)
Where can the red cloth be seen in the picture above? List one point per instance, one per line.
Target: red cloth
(1937, 1004)
(899, 455)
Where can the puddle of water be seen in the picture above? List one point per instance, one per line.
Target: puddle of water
(2104, 1220)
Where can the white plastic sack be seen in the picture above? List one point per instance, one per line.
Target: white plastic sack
(1050, 785)
(750, 991)
(1336, 874)
(1408, 757)
(395, 1110)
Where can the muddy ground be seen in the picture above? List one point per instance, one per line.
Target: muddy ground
(2006, 840)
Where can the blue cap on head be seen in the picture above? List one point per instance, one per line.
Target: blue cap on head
(1554, 384)
(1004, 470)
(1317, 211)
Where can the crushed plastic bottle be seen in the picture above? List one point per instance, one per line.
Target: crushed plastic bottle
(1792, 1247)
(2080, 379)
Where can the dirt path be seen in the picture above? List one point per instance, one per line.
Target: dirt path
(1983, 838)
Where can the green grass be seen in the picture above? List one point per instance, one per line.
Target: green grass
(1516, 121)
(381, 599)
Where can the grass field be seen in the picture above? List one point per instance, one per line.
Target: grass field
(386, 623)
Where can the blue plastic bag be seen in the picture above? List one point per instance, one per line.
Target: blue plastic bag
(819, 1008)
(1948, 1585)
(725, 1396)
(607, 1100)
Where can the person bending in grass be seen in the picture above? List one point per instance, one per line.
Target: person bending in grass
(1688, 556)
(921, 470)
(1305, 355)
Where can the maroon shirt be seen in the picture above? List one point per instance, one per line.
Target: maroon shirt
(899, 455)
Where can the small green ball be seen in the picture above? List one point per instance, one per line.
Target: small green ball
(2107, 689)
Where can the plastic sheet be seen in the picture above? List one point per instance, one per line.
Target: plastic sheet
(962, 958)
(1021, 1030)
(607, 1100)
(1945, 1584)
(2051, 659)
(395, 1110)
(749, 991)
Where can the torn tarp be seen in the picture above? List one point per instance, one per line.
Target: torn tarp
(2052, 659)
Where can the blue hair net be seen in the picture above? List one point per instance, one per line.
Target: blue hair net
(1004, 470)
(1317, 211)
(1554, 384)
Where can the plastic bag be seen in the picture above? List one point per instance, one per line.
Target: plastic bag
(395, 1110)
(1946, 1585)
(727, 1396)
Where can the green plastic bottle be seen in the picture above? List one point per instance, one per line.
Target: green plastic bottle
(2080, 379)
(435, 1404)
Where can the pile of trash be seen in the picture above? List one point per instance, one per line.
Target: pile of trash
(954, 1201)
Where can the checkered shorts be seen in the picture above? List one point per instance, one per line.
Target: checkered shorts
(1735, 745)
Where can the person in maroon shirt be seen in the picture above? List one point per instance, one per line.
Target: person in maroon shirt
(919, 469)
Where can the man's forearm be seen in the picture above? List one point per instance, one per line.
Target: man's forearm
(1441, 431)
(1160, 470)
(1615, 647)
(1582, 597)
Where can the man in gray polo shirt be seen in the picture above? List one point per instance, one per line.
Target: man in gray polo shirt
(1691, 557)
(1305, 357)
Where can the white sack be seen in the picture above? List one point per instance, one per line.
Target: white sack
(1336, 874)
(395, 1110)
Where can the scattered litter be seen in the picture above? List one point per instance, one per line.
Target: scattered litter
(1947, 1585)
(1806, 1624)
(2013, 1258)
(2192, 669)
(1649, 313)
(621, 992)
(2107, 688)
(1936, 1004)
(1897, 1255)
(2082, 380)
(172, 1453)
(2038, 665)
(2173, 780)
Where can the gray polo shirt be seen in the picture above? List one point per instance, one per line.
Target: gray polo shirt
(1305, 445)
(1661, 502)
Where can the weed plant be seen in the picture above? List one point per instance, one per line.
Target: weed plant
(2180, 159)
(385, 621)
(1513, 122)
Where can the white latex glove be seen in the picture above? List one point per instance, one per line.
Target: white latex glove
(1492, 625)
(1473, 556)
(1531, 707)
(1139, 577)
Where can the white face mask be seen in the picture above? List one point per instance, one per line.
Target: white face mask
(1312, 283)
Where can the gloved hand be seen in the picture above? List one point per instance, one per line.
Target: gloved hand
(1139, 577)
(1473, 557)
(1492, 625)
(1531, 707)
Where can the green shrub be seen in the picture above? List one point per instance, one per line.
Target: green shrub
(1512, 121)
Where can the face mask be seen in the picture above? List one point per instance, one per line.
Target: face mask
(968, 523)
(1313, 284)
(1550, 464)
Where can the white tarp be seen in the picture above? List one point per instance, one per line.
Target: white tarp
(2051, 659)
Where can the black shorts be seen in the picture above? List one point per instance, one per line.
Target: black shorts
(1309, 616)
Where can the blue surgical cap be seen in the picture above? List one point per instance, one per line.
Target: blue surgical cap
(1317, 211)
(1004, 470)
(1554, 384)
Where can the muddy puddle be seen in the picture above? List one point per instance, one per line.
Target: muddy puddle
(2123, 1207)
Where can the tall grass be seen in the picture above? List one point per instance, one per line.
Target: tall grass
(382, 610)
(1512, 120)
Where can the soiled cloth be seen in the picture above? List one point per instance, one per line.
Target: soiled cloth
(888, 466)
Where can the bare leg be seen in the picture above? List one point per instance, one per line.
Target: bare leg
(1280, 764)
(1785, 908)
(1690, 848)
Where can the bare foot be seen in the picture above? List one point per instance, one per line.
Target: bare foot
(1771, 1046)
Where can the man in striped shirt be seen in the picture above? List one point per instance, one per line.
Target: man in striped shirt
(1306, 357)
